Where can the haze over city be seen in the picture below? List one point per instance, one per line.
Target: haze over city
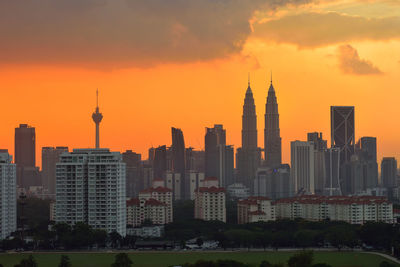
(179, 72)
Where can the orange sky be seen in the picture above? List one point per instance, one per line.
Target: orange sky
(140, 102)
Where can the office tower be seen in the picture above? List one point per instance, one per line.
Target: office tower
(389, 172)
(366, 150)
(97, 117)
(147, 174)
(248, 157)
(302, 167)
(25, 144)
(218, 156)
(134, 179)
(178, 159)
(273, 183)
(50, 157)
(332, 172)
(343, 137)
(272, 138)
(8, 195)
(320, 145)
(195, 160)
(160, 161)
(90, 188)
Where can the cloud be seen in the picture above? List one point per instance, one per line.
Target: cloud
(311, 29)
(119, 32)
(351, 63)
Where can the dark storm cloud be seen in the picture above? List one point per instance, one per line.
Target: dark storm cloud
(131, 32)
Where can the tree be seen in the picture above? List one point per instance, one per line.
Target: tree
(199, 241)
(301, 259)
(305, 238)
(30, 262)
(122, 260)
(115, 239)
(268, 264)
(65, 262)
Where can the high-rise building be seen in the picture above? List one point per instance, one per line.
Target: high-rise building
(25, 159)
(248, 157)
(90, 188)
(273, 183)
(332, 172)
(320, 145)
(366, 151)
(389, 172)
(219, 158)
(134, 178)
(160, 161)
(195, 160)
(343, 137)
(272, 137)
(178, 159)
(97, 117)
(8, 195)
(302, 167)
(209, 203)
(50, 157)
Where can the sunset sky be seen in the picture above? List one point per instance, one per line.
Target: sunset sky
(184, 63)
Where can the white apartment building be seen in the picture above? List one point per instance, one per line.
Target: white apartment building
(90, 188)
(153, 204)
(354, 210)
(255, 209)
(8, 195)
(209, 203)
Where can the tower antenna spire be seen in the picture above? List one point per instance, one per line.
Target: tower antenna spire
(97, 97)
(271, 76)
(248, 78)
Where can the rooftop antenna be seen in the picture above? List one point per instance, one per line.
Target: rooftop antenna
(271, 76)
(248, 78)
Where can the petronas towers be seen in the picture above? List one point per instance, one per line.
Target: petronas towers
(249, 155)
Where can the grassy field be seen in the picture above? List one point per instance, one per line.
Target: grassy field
(159, 259)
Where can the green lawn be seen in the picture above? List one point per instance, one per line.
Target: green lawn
(157, 259)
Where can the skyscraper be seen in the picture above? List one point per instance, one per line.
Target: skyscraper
(160, 161)
(272, 138)
(248, 157)
(134, 177)
(97, 117)
(320, 145)
(90, 188)
(332, 172)
(343, 137)
(25, 159)
(366, 150)
(178, 158)
(8, 195)
(389, 172)
(50, 157)
(218, 156)
(343, 131)
(302, 167)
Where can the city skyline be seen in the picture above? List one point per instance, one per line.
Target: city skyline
(351, 60)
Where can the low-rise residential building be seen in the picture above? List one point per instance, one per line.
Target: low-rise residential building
(209, 203)
(351, 209)
(255, 209)
(153, 204)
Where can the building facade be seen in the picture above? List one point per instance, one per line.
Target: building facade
(8, 195)
(90, 188)
(255, 209)
(209, 203)
(50, 157)
(302, 167)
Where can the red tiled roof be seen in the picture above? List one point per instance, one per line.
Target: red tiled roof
(154, 202)
(338, 200)
(247, 202)
(133, 202)
(256, 212)
(211, 189)
(211, 179)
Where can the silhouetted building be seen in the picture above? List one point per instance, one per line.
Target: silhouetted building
(366, 151)
(50, 157)
(302, 167)
(219, 158)
(195, 160)
(160, 161)
(343, 137)
(272, 138)
(25, 159)
(178, 158)
(332, 172)
(248, 157)
(273, 182)
(320, 145)
(134, 179)
(389, 172)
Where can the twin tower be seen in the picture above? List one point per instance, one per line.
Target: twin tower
(249, 155)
